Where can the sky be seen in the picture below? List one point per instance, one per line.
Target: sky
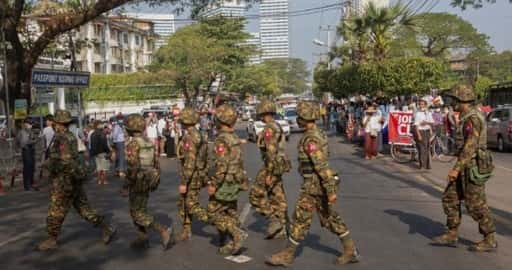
(494, 20)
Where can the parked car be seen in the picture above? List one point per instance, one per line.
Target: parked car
(255, 127)
(291, 116)
(499, 128)
(247, 112)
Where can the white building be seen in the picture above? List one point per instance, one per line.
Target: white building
(358, 6)
(256, 42)
(274, 29)
(226, 8)
(163, 25)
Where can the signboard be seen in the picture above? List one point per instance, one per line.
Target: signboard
(60, 78)
(20, 108)
(399, 128)
(45, 97)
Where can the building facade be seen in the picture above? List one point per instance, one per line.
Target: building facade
(274, 29)
(255, 41)
(163, 25)
(358, 6)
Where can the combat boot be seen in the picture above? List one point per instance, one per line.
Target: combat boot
(49, 244)
(141, 241)
(350, 253)
(285, 257)
(273, 229)
(109, 231)
(450, 238)
(488, 244)
(238, 241)
(185, 234)
(226, 249)
(167, 236)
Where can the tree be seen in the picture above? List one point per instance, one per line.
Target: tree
(437, 34)
(60, 17)
(463, 4)
(495, 66)
(482, 84)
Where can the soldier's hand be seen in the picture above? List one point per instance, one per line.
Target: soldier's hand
(452, 175)
(182, 189)
(331, 199)
(211, 190)
(268, 180)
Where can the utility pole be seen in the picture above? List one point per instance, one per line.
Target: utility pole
(328, 29)
(6, 80)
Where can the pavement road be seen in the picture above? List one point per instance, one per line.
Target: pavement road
(392, 210)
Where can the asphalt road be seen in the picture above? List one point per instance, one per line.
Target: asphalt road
(392, 210)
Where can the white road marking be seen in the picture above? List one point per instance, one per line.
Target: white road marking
(21, 236)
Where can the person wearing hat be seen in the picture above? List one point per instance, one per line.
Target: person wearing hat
(468, 176)
(66, 186)
(423, 123)
(371, 127)
(26, 142)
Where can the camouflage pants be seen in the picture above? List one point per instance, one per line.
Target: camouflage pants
(269, 201)
(61, 200)
(475, 201)
(193, 208)
(224, 216)
(303, 215)
(139, 209)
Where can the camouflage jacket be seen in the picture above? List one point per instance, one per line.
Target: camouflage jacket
(270, 142)
(228, 159)
(63, 154)
(193, 153)
(471, 134)
(319, 179)
(140, 155)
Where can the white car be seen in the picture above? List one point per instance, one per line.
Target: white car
(256, 127)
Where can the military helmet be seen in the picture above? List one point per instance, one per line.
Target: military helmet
(62, 117)
(226, 114)
(308, 110)
(135, 122)
(189, 116)
(266, 106)
(462, 92)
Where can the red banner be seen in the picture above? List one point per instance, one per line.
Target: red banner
(399, 128)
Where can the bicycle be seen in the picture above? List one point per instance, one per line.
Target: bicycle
(441, 149)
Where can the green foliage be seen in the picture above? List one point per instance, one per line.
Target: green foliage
(496, 66)
(391, 77)
(482, 85)
(463, 4)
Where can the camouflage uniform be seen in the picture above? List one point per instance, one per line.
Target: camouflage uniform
(193, 154)
(270, 200)
(66, 186)
(143, 176)
(228, 174)
(471, 135)
(320, 182)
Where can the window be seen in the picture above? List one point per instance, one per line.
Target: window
(505, 115)
(125, 38)
(137, 40)
(97, 68)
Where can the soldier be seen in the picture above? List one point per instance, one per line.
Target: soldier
(143, 177)
(267, 194)
(193, 154)
(318, 192)
(225, 185)
(468, 176)
(66, 185)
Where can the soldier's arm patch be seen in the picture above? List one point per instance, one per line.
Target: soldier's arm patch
(220, 149)
(268, 134)
(311, 147)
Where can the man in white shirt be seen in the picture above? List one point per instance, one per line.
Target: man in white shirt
(118, 138)
(162, 124)
(423, 122)
(152, 131)
(48, 131)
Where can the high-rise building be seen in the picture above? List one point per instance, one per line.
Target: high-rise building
(358, 6)
(226, 8)
(255, 41)
(274, 29)
(163, 25)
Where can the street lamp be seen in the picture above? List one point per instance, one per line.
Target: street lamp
(322, 44)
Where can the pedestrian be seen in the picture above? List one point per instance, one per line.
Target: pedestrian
(48, 133)
(161, 125)
(423, 122)
(152, 130)
(66, 186)
(267, 194)
(469, 175)
(26, 141)
(143, 177)
(227, 181)
(193, 155)
(100, 152)
(371, 127)
(118, 138)
(318, 193)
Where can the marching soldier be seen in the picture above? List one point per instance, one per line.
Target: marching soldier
(143, 177)
(318, 192)
(66, 187)
(227, 182)
(193, 154)
(468, 176)
(267, 194)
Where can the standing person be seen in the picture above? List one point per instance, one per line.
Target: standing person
(423, 122)
(152, 131)
(119, 143)
(162, 124)
(143, 177)
(371, 128)
(66, 186)
(468, 176)
(267, 194)
(100, 152)
(193, 155)
(26, 142)
(318, 192)
(226, 183)
(48, 132)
